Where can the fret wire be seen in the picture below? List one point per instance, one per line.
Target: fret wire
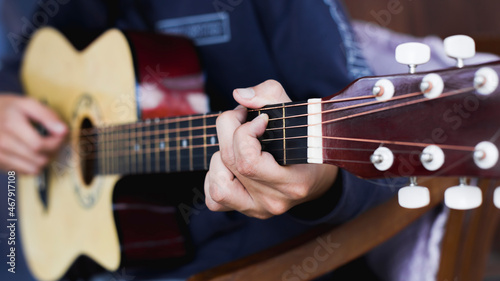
(103, 136)
(284, 137)
(129, 157)
(107, 150)
(190, 135)
(157, 159)
(178, 151)
(147, 155)
(139, 150)
(124, 161)
(102, 150)
(115, 152)
(112, 156)
(118, 148)
(129, 147)
(134, 151)
(205, 162)
(108, 145)
(167, 148)
(113, 148)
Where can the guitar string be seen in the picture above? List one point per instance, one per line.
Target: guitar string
(337, 160)
(183, 156)
(113, 155)
(91, 130)
(139, 166)
(173, 120)
(170, 131)
(178, 148)
(181, 138)
(118, 152)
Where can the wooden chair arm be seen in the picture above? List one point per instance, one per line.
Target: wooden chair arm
(342, 243)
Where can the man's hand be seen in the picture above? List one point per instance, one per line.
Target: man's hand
(244, 178)
(22, 148)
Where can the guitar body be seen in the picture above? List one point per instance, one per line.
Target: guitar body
(68, 212)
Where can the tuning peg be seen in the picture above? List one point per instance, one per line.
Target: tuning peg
(413, 196)
(382, 158)
(459, 47)
(485, 80)
(432, 85)
(496, 197)
(413, 54)
(432, 157)
(485, 155)
(463, 196)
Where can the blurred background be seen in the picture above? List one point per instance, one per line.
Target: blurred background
(476, 18)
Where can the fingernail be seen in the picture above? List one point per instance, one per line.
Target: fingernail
(246, 93)
(263, 116)
(58, 128)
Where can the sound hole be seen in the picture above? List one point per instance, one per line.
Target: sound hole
(43, 178)
(88, 151)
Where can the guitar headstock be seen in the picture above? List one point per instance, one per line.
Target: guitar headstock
(439, 123)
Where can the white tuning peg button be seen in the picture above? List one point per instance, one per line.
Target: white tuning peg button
(413, 196)
(463, 196)
(459, 47)
(413, 54)
(496, 197)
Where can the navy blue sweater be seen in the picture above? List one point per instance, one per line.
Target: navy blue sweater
(308, 46)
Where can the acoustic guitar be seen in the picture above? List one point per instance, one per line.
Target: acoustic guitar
(130, 112)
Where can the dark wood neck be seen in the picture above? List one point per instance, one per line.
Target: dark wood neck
(187, 143)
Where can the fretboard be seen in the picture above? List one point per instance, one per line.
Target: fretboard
(187, 143)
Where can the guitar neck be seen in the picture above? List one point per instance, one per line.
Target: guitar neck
(187, 143)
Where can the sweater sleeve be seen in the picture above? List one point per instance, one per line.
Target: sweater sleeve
(316, 55)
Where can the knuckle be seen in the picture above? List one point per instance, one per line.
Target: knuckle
(3, 143)
(274, 86)
(262, 216)
(35, 170)
(42, 161)
(246, 168)
(211, 205)
(218, 189)
(276, 207)
(218, 195)
(37, 145)
(227, 157)
(8, 125)
(222, 119)
(297, 192)
(215, 157)
(248, 161)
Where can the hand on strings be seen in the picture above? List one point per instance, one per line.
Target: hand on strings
(244, 178)
(22, 148)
